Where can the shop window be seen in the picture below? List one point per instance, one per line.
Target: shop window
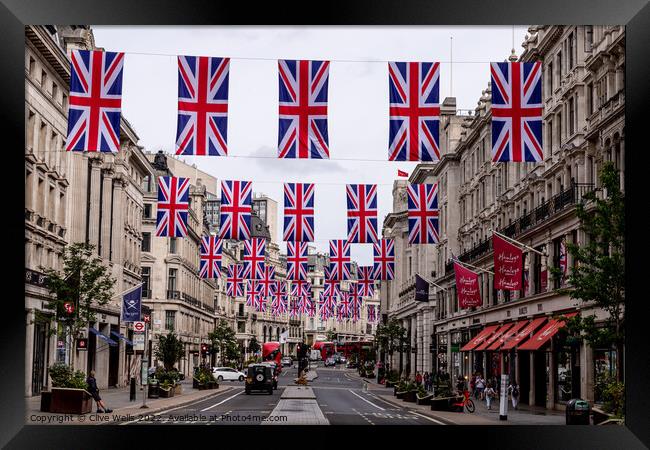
(604, 371)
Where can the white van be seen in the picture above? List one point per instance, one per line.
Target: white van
(315, 355)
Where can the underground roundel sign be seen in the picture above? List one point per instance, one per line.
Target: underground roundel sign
(138, 327)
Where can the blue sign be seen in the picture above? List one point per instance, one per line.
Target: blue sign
(131, 304)
(421, 289)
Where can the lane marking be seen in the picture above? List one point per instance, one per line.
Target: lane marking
(365, 400)
(223, 401)
(428, 418)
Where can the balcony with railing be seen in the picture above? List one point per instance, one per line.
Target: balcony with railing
(560, 202)
(173, 295)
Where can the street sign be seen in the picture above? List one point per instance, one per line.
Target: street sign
(82, 344)
(144, 375)
(138, 342)
(147, 318)
(138, 327)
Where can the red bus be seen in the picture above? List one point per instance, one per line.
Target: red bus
(271, 352)
(349, 348)
(326, 349)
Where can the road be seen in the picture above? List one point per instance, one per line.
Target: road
(339, 395)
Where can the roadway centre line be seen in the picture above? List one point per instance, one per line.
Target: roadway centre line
(367, 401)
(222, 401)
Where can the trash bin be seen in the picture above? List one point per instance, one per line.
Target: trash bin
(154, 391)
(577, 412)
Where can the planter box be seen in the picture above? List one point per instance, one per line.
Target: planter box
(440, 404)
(401, 395)
(410, 396)
(166, 393)
(71, 401)
(46, 401)
(426, 400)
(202, 386)
(389, 384)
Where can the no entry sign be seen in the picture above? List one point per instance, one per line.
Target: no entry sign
(138, 327)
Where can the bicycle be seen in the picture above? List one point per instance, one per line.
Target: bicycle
(467, 402)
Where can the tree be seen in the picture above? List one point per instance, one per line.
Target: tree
(253, 345)
(391, 336)
(599, 275)
(169, 349)
(84, 283)
(223, 337)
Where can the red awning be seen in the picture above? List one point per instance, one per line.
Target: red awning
(545, 334)
(494, 337)
(479, 338)
(507, 335)
(523, 334)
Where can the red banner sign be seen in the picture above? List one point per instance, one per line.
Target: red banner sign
(508, 261)
(544, 280)
(467, 288)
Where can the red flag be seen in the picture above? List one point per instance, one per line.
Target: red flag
(507, 264)
(467, 287)
(544, 280)
(401, 173)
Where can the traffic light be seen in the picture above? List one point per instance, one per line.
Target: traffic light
(204, 349)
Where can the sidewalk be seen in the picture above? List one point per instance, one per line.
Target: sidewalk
(524, 415)
(117, 399)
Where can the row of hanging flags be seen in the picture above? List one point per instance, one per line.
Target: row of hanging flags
(202, 124)
(509, 272)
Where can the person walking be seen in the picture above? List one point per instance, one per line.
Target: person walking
(513, 390)
(94, 391)
(489, 395)
(426, 381)
(480, 386)
(472, 385)
(418, 378)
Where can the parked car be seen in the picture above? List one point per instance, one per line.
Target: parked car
(259, 377)
(227, 374)
(287, 361)
(330, 362)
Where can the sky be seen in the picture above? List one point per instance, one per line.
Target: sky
(357, 100)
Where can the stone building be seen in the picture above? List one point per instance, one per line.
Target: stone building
(534, 203)
(75, 197)
(179, 299)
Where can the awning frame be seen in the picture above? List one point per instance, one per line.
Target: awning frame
(104, 338)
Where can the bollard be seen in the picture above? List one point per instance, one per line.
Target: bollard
(132, 390)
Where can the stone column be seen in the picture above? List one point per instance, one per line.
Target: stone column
(29, 350)
(531, 391)
(552, 375)
(105, 226)
(118, 225)
(622, 165)
(548, 263)
(94, 187)
(587, 372)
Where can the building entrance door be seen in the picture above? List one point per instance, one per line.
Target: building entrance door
(40, 357)
(113, 362)
(540, 378)
(524, 377)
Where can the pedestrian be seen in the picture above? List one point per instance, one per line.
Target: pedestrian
(418, 378)
(489, 395)
(472, 385)
(94, 391)
(480, 386)
(460, 385)
(426, 381)
(513, 390)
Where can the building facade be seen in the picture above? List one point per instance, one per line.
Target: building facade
(71, 198)
(534, 203)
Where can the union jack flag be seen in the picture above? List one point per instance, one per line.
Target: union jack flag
(366, 281)
(294, 310)
(309, 306)
(355, 301)
(279, 298)
(324, 309)
(235, 210)
(252, 291)
(173, 205)
(298, 212)
(303, 109)
(343, 311)
(297, 261)
(384, 256)
(95, 102)
(362, 213)
(235, 280)
(331, 287)
(372, 313)
(202, 106)
(259, 301)
(210, 266)
(267, 281)
(517, 111)
(423, 213)
(300, 289)
(414, 111)
(254, 250)
(339, 260)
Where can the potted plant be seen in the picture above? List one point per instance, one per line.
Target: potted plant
(69, 393)
(411, 391)
(423, 397)
(401, 389)
(443, 398)
(391, 378)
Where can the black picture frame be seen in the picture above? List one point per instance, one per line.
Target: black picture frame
(634, 14)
